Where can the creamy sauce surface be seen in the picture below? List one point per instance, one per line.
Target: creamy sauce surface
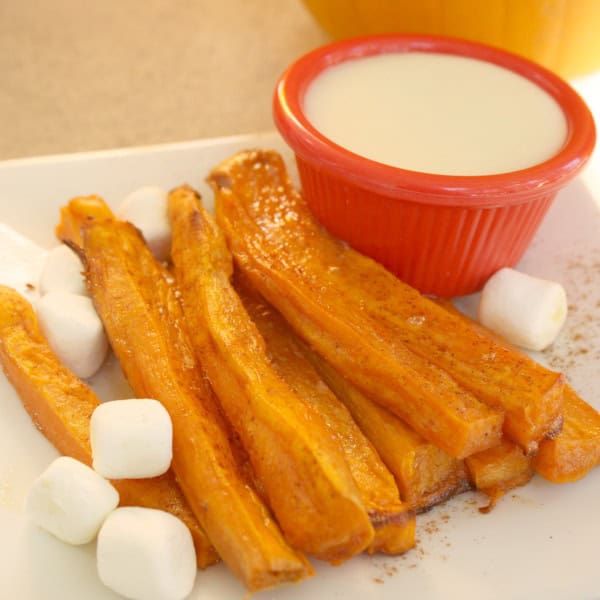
(436, 113)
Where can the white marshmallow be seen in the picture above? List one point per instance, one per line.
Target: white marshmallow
(62, 272)
(70, 501)
(525, 310)
(74, 331)
(21, 262)
(146, 554)
(131, 439)
(146, 208)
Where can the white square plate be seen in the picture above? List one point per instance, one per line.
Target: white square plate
(541, 541)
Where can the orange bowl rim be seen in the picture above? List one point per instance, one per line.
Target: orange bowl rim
(512, 187)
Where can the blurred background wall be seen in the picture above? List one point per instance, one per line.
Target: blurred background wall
(90, 74)
(83, 75)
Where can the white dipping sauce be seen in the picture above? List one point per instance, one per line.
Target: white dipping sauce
(436, 113)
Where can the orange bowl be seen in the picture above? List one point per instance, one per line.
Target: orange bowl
(560, 35)
(443, 234)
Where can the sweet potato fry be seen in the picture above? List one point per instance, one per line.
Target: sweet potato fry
(425, 474)
(392, 520)
(335, 299)
(496, 372)
(576, 451)
(142, 317)
(74, 214)
(61, 405)
(304, 474)
(278, 222)
(570, 455)
(499, 469)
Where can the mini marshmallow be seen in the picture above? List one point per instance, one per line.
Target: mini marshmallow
(131, 439)
(146, 554)
(21, 262)
(62, 272)
(146, 208)
(525, 310)
(70, 501)
(73, 330)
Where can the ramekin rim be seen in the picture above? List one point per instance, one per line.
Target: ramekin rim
(467, 190)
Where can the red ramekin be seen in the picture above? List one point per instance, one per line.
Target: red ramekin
(443, 234)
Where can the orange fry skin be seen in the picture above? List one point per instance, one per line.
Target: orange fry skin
(268, 220)
(575, 451)
(299, 269)
(425, 474)
(61, 406)
(498, 470)
(393, 521)
(304, 474)
(138, 304)
(77, 212)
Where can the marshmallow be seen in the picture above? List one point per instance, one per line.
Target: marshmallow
(62, 272)
(131, 439)
(70, 501)
(146, 554)
(146, 208)
(21, 262)
(527, 311)
(73, 330)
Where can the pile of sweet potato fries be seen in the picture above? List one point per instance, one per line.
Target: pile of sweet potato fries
(317, 402)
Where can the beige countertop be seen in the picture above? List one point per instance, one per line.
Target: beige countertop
(84, 75)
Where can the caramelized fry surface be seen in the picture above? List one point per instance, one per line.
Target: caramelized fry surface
(571, 454)
(306, 480)
(576, 451)
(268, 220)
(61, 406)
(332, 296)
(499, 469)
(77, 212)
(393, 522)
(425, 474)
(142, 318)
